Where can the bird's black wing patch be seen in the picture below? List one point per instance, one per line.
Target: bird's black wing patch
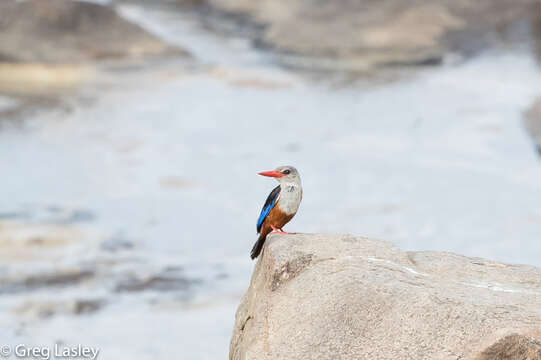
(269, 204)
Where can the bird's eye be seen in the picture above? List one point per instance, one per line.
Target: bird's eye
(287, 171)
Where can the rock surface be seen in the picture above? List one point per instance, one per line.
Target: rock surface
(533, 123)
(344, 297)
(65, 31)
(361, 35)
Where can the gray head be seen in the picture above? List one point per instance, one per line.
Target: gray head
(284, 174)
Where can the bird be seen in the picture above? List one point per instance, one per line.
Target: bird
(281, 204)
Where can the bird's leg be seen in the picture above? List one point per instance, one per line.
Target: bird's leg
(282, 231)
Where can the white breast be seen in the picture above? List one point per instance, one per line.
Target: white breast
(290, 198)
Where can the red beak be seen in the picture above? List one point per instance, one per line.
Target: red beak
(273, 173)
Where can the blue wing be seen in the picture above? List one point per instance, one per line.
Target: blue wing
(272, 199)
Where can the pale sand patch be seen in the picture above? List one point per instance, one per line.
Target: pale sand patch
(256, 79)
(42, 78)
(27, 242)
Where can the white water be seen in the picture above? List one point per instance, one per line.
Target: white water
(436, 162)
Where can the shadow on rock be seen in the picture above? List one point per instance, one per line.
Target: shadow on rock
(167, 280)
(54, 279)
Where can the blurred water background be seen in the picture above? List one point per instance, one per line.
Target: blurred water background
(129, 201)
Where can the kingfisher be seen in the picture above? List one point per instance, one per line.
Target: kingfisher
(281, 204)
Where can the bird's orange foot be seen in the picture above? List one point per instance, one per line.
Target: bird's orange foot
(279, 231)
